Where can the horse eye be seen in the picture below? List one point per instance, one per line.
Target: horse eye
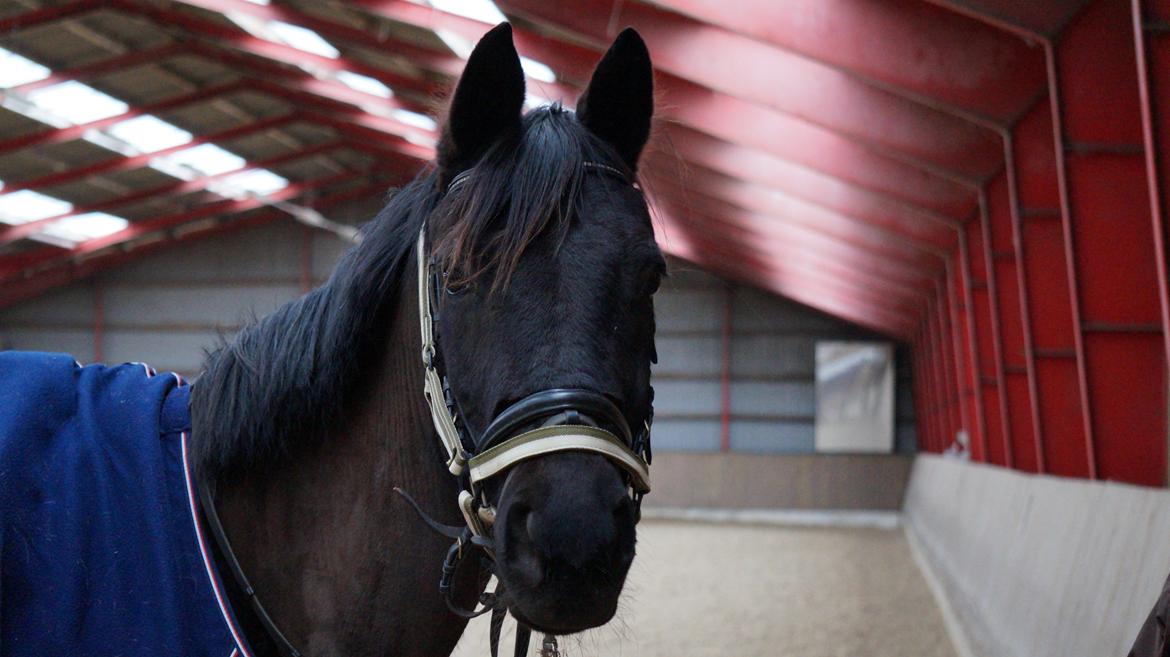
(651, 282)
(453, 290)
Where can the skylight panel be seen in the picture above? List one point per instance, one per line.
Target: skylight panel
(82, 227)
(149, 133)
(25, 205)
(458, 45)
(288, 34)
(537, 70)
(76, 102)
(16, 70)
(534, 101)
(303, 39)
(419, 140)
(415, 119)
(484, 11)
(257, 27)
(255, 182)
(205, 159)
(364, 84)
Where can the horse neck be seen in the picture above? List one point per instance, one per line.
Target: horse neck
(341, 564)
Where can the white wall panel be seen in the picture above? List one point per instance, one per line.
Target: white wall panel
(208, 304)
(1040, 566)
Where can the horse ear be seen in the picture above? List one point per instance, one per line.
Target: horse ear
(619, 101)
(487, 101)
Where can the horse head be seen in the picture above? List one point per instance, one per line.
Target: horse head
(545, 265)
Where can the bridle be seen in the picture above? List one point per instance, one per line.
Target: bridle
(546, 422)
(549, 421)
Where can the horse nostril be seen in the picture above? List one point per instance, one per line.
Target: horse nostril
(524, 558)
(530, 528)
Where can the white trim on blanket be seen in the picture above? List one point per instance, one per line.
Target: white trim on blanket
(220, 597)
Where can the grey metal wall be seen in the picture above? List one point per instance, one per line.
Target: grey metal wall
(167, 308)
(770, 363)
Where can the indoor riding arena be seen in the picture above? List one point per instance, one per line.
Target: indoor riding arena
(910, 396)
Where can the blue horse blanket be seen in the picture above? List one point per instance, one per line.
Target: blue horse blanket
(101, 550)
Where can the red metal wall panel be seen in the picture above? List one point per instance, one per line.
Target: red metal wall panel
(973, 388)
(1013, 367)
(1153, 72)
(1114, 261)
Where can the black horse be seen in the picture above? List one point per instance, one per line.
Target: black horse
(542, 262)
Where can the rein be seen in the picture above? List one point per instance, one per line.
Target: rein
(546, 422)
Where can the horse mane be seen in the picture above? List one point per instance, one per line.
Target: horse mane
(292, 373)
(293, 369)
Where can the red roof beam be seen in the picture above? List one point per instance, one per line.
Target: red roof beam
(792, 241)
(858, 246)
(765, 256)
(115, 64)
(237, 38)
(69, 133)
(34, 17)
(260, 67)
(753, 127)
(435, 60)
(789, 280)
(873, 318)
(9, 234)
(138, 229)
(775, 172)
(1026, 20)
(279, 90)
(448, 64)
(717, 110)
(563, 54)
(71, 272)
(126, 163)
(790, 208)
(763, 74)
(924, 53)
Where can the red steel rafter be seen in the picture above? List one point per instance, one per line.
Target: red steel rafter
(765, 76)
(927, 54)
(69, 133)
(114, 64)
(9, 234)
(135, 230)
(74, 271)
(126, 163)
